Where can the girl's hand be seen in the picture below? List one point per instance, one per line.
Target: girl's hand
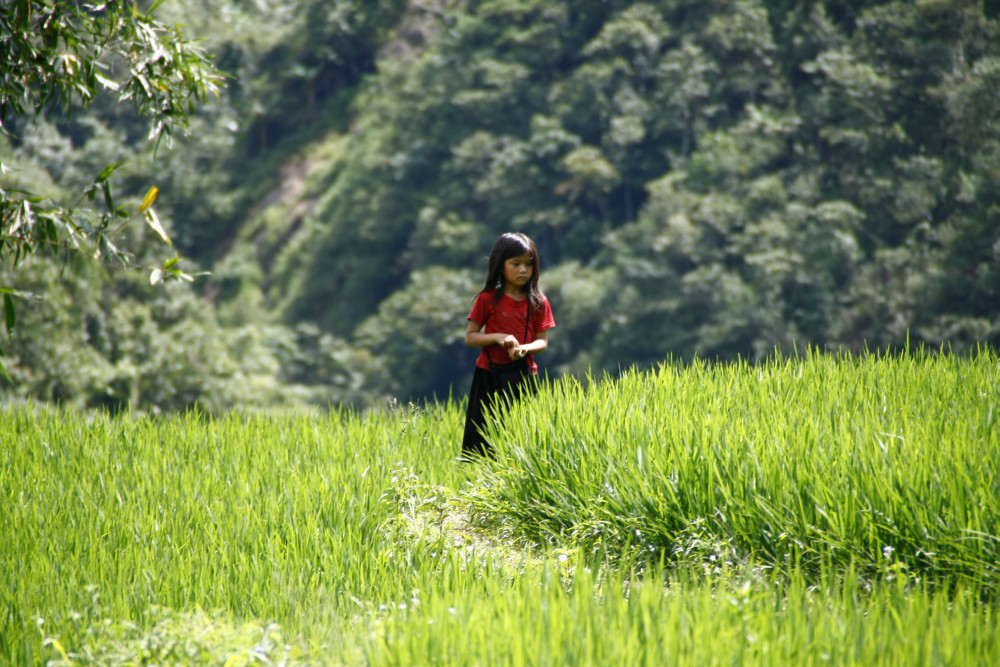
(517, 352)
(506, 340)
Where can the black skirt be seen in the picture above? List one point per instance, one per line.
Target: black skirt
(484, 405)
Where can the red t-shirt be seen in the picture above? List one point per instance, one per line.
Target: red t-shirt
(508, 317)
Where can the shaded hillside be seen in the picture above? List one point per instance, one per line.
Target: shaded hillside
(710, 178)
(713, 178)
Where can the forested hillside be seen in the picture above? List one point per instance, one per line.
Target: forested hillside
(705, 178)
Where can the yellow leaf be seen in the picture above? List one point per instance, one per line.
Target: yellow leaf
(148, 200)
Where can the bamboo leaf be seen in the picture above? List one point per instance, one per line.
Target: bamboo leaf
(107, 171)
(106, 82)
(154, 222)
(10, 317)
(149, 199)
(108, 201)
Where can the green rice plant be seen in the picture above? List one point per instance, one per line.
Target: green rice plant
(691, 621)
(875, 460)
(254, 515)
(352, 538)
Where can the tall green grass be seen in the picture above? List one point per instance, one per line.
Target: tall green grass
(815, 460)
(764, 498)
(738, 621)
(258, 516)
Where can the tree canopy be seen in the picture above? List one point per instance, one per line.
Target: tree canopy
(705, 179)
(56, 58)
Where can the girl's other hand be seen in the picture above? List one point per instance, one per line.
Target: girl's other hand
(517, 352)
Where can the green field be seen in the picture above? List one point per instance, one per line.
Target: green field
(808, 510)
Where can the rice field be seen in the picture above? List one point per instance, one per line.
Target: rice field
(807, 510)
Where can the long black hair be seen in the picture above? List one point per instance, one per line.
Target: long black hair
(507, 246)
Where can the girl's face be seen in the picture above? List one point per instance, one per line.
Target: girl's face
(517, 271)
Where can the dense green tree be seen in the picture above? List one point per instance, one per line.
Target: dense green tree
(746, 175)
(56, 56)
(419, 333)
(704, 178)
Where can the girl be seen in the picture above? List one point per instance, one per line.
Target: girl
(510, 320)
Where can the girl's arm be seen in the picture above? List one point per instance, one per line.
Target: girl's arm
(474, 337)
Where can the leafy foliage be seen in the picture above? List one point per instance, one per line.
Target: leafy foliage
(59, 55)
(748, 176)
(704, 179)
